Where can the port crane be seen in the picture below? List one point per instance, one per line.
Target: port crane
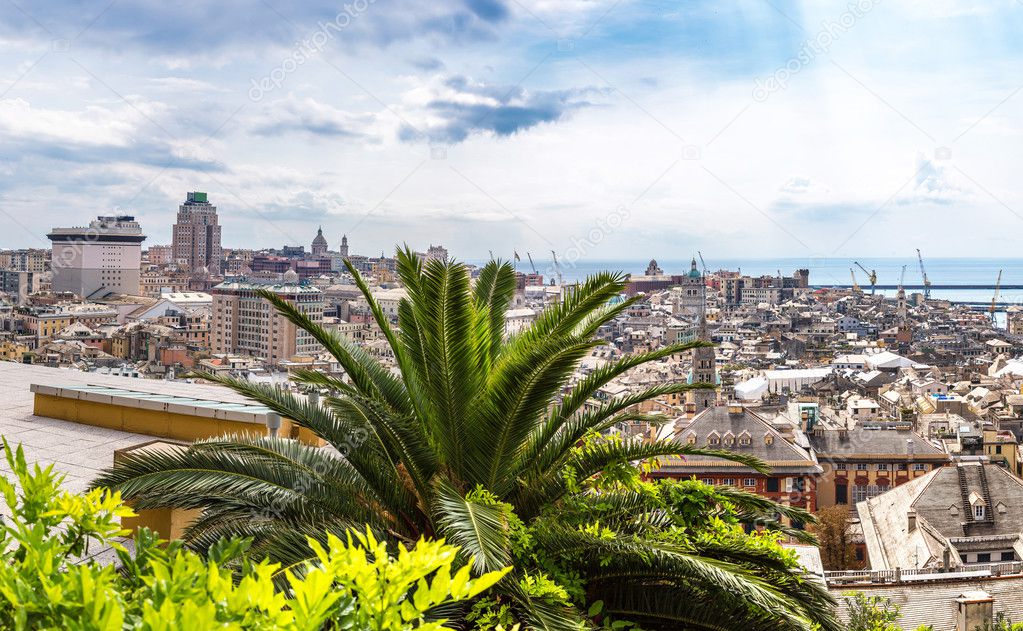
(923, 272)
(531, 265)
(855, 286)
(871, 275)
(994, 300)
(557, 268)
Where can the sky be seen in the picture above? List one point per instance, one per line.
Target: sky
(596, 129)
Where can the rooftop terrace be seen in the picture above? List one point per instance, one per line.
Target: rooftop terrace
(81, 451)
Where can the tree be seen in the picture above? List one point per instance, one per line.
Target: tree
(485, 441)
(348, 584)
(871, 613)
(838, 552)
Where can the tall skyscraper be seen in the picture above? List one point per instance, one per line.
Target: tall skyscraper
(103, 258)
(196, 240)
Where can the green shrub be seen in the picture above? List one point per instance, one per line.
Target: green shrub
(47, 580)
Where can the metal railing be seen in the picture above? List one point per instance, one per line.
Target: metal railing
(900, 575)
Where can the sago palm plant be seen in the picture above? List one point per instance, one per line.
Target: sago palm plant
(474, 436)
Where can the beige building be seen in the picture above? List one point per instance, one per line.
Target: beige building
(244, 323)
(863, 463)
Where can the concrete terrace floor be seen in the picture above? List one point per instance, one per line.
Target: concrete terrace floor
(78, 451)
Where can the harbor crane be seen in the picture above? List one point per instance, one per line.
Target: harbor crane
(855, 286)
(994, 300)
(703, 265)
(871, 275)
(531, 265)
(923, 272)
(557, 268)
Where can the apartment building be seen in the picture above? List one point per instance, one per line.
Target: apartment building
(245, 323)
(864, 462)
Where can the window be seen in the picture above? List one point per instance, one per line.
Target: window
(772, 485)
(798, 485)
(749, 482)
(729, 482)
(841, 494)
(984, 557)
(902, 466)
(707, 480)
(978, 512)
(882, 466)
(840, 466)
(861, 466)
(1008, 556)
(919, 466)
(863, 492)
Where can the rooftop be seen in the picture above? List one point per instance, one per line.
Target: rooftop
(76, 450)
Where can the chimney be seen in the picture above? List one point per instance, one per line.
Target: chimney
(976, 610)
(910, 446)
(734, 408)
(911, 520)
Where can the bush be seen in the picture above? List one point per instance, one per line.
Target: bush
(47, 580)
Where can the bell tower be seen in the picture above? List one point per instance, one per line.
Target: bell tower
(704, 356)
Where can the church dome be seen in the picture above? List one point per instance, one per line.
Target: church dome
(319, 238)
(291, 277)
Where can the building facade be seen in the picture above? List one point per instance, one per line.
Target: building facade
(101, 259)
(245, 323)
(862, 463)
(791, 480)
(196, 240)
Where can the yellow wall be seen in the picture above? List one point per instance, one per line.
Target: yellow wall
(149, 422)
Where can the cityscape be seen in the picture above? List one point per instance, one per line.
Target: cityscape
(502, 315)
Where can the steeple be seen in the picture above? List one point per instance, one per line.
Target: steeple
(344, 246)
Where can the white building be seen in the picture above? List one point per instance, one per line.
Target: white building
(98, 260)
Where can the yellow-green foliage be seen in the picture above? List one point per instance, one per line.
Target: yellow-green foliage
(353, 584)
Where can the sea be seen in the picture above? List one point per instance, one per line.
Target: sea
(831, 271)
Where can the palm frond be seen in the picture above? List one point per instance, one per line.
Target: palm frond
(367, 374)
(481, 529)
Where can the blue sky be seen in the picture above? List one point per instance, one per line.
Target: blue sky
(597, 129)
